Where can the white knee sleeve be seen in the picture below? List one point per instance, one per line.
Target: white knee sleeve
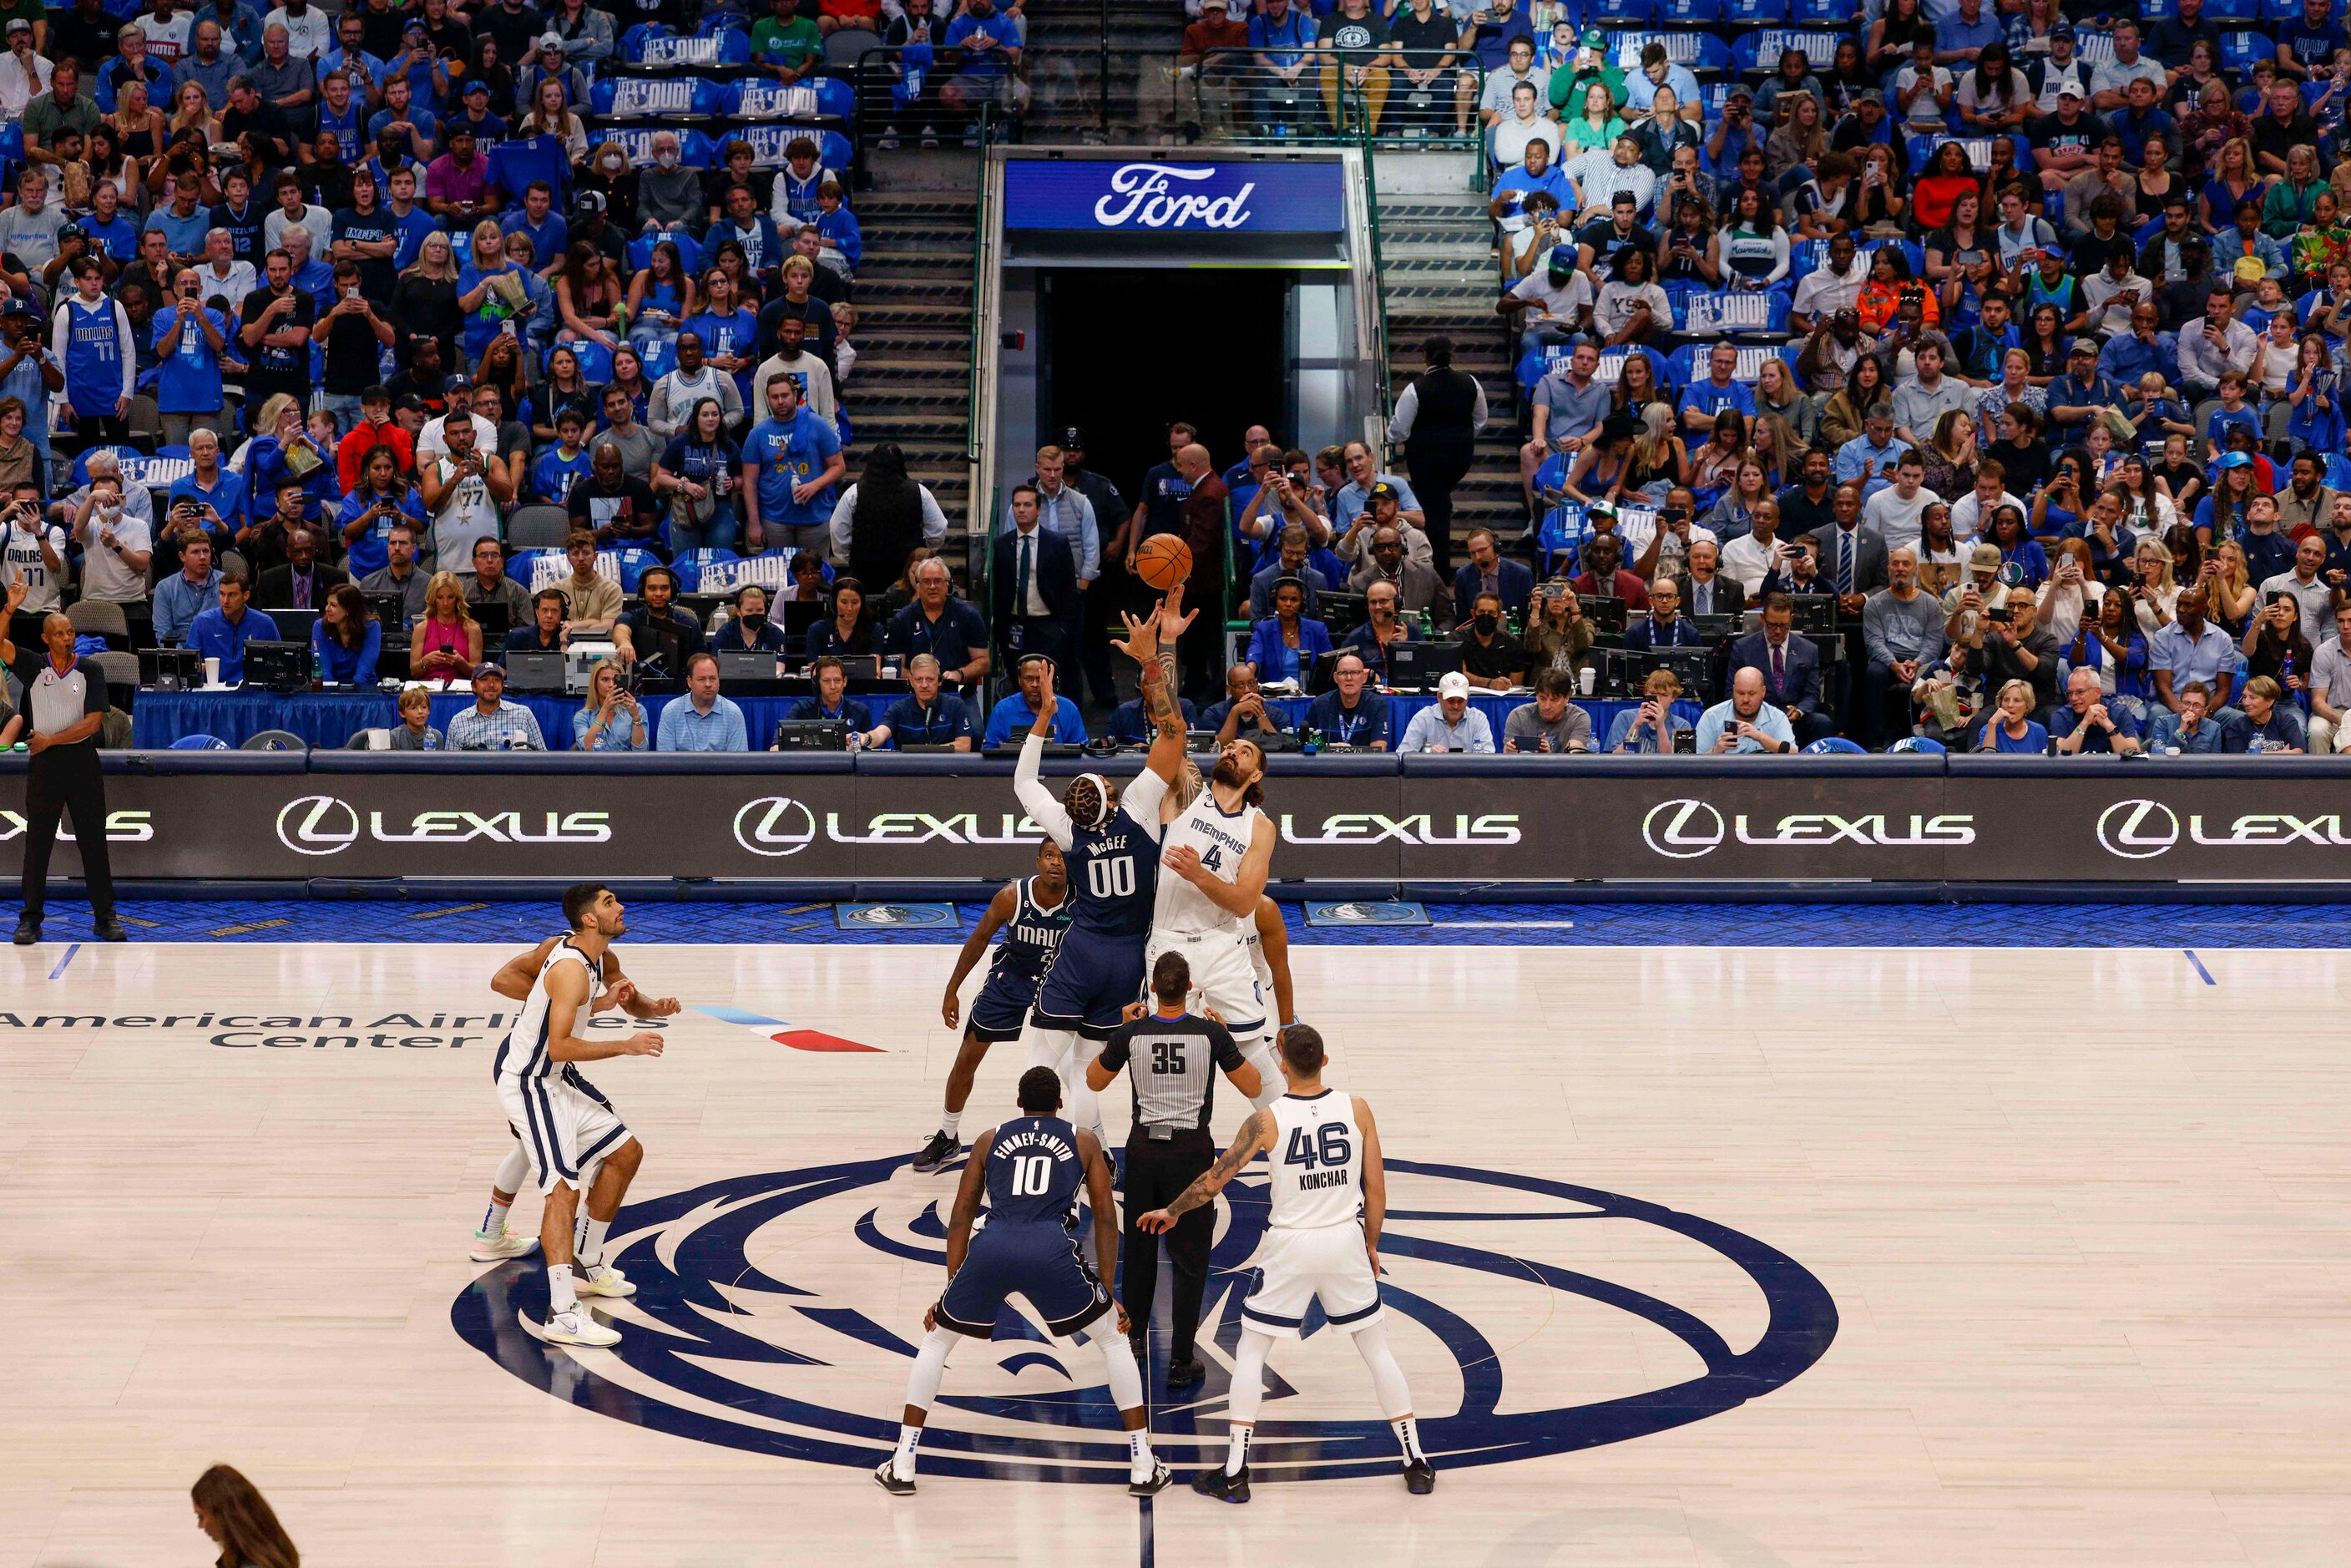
(514, 1171)
(1387, 1378)
(930, 1364)
(1248, 1376)
(1125, 1382)
(1271, 1086)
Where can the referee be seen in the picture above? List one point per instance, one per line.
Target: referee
(1174, 1057)
(65, 698)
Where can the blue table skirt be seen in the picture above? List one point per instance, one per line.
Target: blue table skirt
(330, 719)
(1495, 706)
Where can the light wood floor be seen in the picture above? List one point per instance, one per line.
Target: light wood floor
(2082, 1215)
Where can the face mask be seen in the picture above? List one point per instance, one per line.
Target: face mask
(1486, 624)
(665, 158)
(614, 165)
(755, 625)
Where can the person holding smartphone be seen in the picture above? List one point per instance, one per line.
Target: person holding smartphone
(352, 334)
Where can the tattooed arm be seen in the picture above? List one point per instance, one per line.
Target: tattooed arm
(1255, 1137)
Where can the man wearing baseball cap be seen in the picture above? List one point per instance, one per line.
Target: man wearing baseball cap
(25, 74)
(494, 724)
(1449, 724)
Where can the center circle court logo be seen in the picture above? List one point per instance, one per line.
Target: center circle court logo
(1683, 830)
(756, 1325)
(2137, 830)
(774, 825)
(318, 825)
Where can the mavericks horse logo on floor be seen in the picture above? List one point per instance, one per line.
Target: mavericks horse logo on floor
(765, 1320)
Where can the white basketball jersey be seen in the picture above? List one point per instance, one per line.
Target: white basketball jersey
(1220, 840)
(524, 1054)
(1318, 1163)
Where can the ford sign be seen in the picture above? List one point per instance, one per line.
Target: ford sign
(1205, 200)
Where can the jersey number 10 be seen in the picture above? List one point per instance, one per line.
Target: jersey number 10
(1111, 878)
(1032, 1176)
(1330, 1146)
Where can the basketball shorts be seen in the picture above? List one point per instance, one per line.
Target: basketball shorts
(566, 1126)
(1223, 978)
(1001, 1008)
(1040, 1262)
(1090, 983)
(1296, 1267)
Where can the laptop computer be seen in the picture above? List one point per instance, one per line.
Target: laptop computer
(535, 672)
(745, 666)
(862, 666)
(1714, 628)
(1418, 666)
(1604, 612)
(166, 669)
(1814, 611)
(812, 735)
(277, 666)
(1342, 613)
(293, 625)
(1692, 666)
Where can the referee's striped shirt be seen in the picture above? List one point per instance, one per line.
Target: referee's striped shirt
(1175, 1065)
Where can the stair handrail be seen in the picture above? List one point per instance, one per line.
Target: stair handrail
(1385, 377)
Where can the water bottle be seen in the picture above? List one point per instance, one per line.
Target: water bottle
(1310, 740)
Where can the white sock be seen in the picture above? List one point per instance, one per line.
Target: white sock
(1407, 1431)
(1270, 1084)
(902, 1463)
(1237, 1450)
(494, 1218)
(951, 1124)
(591, 1249)
(561, 1297)
(1248, 1392)
(1139, 1461)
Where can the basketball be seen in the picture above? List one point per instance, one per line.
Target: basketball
(1163, 562)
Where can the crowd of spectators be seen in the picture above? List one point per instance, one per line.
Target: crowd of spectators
(2014, 331)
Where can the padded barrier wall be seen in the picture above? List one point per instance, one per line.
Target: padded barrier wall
(1353, 827)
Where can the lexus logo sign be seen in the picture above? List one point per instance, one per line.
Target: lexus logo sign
(1683, 830)
(318, 825)
(774, 826)
(2137, 830)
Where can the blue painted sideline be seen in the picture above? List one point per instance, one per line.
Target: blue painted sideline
(2199, 966)
(69, 958)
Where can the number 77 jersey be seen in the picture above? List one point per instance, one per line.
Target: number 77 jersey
(1317, 1176)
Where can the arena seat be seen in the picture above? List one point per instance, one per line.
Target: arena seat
(633, 562)
(845, 48)
(658, 357)
(800, 102)
(2240, 49)
(691, 564)
(1838, 14)
(1682, 364)
(670, 98)
(1699, 312)
(1918, 745)
(1698, 51)
(1755, 12)
(528, 566)
(274, 741)
(695, 149)
(1806, 255)
(199, 743)
(124, 454)
(1835, 746)
(653, 44)
(540, 525)
(1758, 53)
(595, 360)
(1619, 14)
(767, 143)
(1690, 13)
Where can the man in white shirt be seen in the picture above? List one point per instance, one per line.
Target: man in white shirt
(2213, 342)
(117, 542)
(1599, 175)
(2330, 690)
(24, 74)
(1972, 513)
(2109, 83)
(309, 32)
(1494, 101)
(221, 273)
(167, 31)
(1894, 511)
(2311, 594)
(1836, 284)
(1549, 304)
(792, 360)
(1524, 123)
(1451, 725)
(1754, 555)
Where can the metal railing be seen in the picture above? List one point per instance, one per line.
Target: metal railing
(980, 314)
(878, 119)
(1231, 97)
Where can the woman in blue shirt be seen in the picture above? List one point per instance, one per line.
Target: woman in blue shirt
(698, 473)
(2012, 727)
(345, 640)
(1286, 645)
(849, 631)
(729, 333)
(2017, 547)
(660, 297)
(609, 719)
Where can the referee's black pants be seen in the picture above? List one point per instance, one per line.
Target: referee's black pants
(1157, 1173)
(60, 779)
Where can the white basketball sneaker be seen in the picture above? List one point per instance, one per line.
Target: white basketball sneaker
(576, 1327)
(496, 1246)
(600, 1280)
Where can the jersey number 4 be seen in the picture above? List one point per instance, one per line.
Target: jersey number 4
(1111, 878)
(1329, 1146)
(1032, 1176)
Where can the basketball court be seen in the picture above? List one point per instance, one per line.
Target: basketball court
(1758, 1254)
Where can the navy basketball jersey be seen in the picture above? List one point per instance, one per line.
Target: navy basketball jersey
(1115, 873)
(1032, 937)
(1033, 1173)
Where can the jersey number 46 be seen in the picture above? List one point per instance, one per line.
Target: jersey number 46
(1329, 1146)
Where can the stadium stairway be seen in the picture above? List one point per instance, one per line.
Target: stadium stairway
(911, 381)
(1437, 275)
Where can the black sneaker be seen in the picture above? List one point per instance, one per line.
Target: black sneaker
(886, 1474)
(28, 930)
(936, 1153)
(1418, 1479)
(1187, 1374)
(1217, 1484)
(110, 930)
(1160, 1476)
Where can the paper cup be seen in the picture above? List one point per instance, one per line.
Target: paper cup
(1588, 676)
(212, 672)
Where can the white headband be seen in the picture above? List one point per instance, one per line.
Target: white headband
(1102, 793)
